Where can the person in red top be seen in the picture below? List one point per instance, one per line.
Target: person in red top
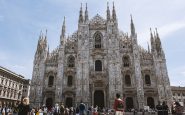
(118, 105)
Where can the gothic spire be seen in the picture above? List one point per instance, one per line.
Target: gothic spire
(86, 14)
(152, 40)
(64, 28)
(132, 26)
(40, 36)
(63, 31)
(80, 15)
(148, 47)
(45, 39)
(108, 12)
(157, 35)
(158, 41)
(151, 36)
(114, 13)
(48, 51)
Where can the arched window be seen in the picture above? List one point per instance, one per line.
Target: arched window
(126, 61)
(98, 65)
(71, 61)
(127, 80)
(69, 81)
(147, 80)
(150, 102)
(97, 40)
(50, 81)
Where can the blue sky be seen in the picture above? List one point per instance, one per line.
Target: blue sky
(22, 20)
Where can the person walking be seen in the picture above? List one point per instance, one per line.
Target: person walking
(159, 108)
(23, 107)
(118, 105)
(165, 108)
(82, 108)
(178, 108)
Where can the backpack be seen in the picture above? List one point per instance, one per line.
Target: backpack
(120, 105)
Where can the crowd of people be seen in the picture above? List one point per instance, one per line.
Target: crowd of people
(118, 109)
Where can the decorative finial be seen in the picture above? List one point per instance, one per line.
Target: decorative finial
(151, 33)
(131, 18)
(63, 28)
(148, 47)
(132, 26)
(86, 14)
(157, 33)
(114, 13)
(108, 12)
(156, 30)
(48, 48)
(80, 15)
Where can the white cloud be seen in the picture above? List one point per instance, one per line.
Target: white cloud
(166, 30)
(177, 76)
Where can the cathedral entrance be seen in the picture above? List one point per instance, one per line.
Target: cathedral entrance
(69, 102)
(150, 102)
(129, 103)
(49, 102)
(99, 98)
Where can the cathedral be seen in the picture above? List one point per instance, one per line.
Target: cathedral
(96, 62)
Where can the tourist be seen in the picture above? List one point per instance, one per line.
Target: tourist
(165, 108)
(82, 108)
(118, 105)
(178, 108)
(159, 108)
(62, 109)
(77, 110)
(24, 108)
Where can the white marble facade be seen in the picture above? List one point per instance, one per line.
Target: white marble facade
(98, 61)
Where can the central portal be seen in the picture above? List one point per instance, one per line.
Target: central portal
(49, 102)
(99, 98)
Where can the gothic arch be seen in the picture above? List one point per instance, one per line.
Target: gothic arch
(98, 65)
(129, 103)
(50, 80)
(126, 61)
(71, 61)
(147, 79)
(127, 80)
(69, 80)
(150, 102)
(98, 39)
